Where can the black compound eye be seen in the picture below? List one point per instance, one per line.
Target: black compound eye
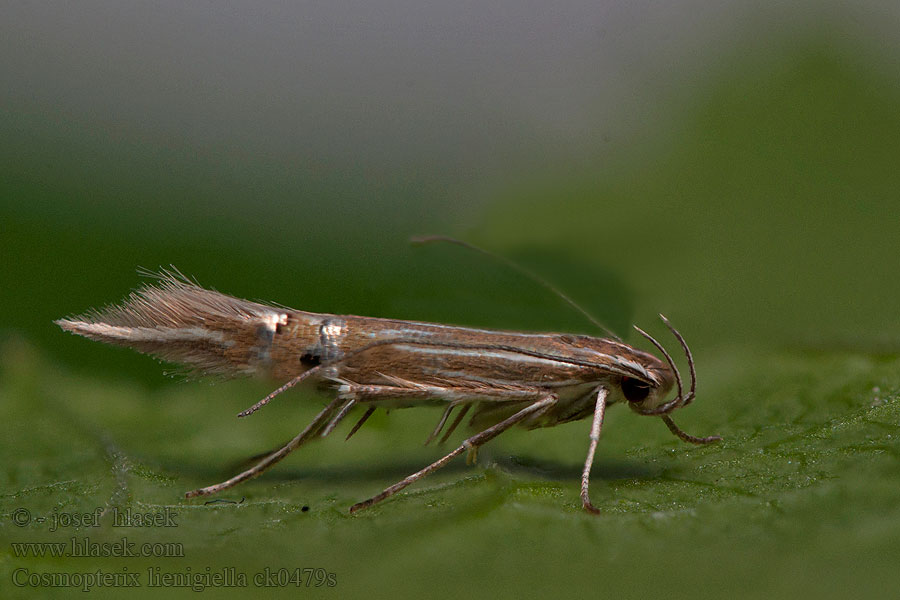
(635, 390)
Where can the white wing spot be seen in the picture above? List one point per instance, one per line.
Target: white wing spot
(333, 329)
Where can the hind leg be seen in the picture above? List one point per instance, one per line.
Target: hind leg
(472, 443)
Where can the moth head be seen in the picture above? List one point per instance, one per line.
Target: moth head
(648, 397)
(645, 396)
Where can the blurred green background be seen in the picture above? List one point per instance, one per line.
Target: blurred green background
(731, 165)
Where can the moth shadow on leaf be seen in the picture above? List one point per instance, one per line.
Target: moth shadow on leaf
(565, 471)
(519, 466)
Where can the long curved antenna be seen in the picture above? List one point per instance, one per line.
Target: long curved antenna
(690, 359)
(427, 239)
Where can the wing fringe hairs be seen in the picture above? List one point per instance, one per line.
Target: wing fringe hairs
(178, 321)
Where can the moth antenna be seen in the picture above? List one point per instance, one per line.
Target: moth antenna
(668, 406)
(427, 239)
(690, 359)
(700, 441)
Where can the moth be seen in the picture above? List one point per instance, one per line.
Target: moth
(503, 378)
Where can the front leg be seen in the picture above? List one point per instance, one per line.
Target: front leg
(596, 426)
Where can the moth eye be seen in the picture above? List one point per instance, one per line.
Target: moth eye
(635, 390)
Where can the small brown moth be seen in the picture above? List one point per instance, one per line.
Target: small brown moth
(504, 378)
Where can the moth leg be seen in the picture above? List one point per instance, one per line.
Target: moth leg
(437, 429)
(306, 374)
(304, 436)
(325, 430)
(350, 394)
(596, 425)
(338, 417)
(455, 423)
(547, 400)
(360, 423)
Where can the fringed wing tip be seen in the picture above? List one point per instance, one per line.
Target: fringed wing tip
(70, 324)
(102, 332)
(177, 321)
